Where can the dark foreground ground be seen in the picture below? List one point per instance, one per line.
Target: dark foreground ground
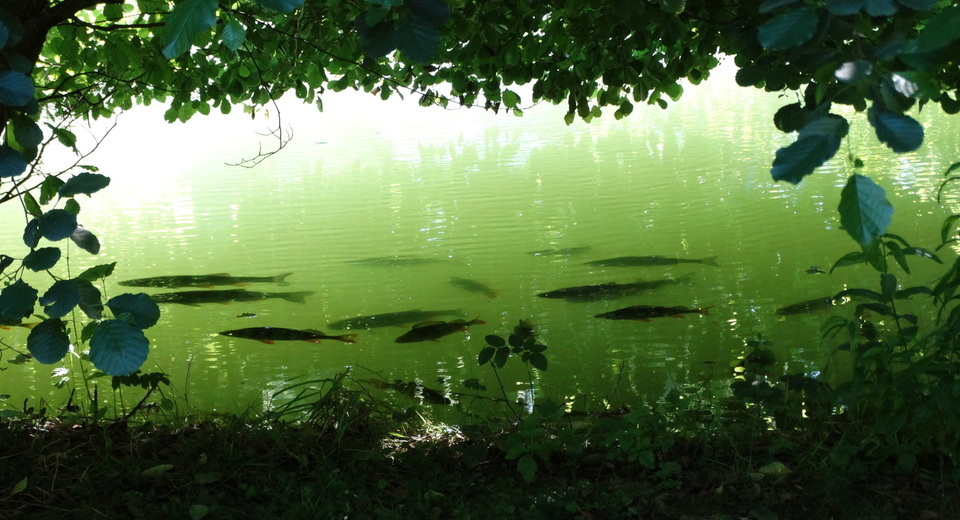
(232, 470)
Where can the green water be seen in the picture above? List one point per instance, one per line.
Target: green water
(475, 192)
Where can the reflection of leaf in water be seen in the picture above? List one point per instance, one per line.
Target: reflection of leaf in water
(474, 384)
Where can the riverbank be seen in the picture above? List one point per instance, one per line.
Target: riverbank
(349, 456)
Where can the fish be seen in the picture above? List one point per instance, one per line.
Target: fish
(395, 261)
(814, 269)
(644, 261)
(247, 315)
(226, 296)
(609, 291)
(563, 251)
(203, 280)
(646, 312)
(390, 319)
(816, 304)
(412, 389)
(473, 286)
(269, 335)
(436, 329)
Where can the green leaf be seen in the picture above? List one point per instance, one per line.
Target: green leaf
(113, 12)
(56, 224)
(144, 312)
(539, 361)
(16, 88)
(816, 143)
(198, 511)
(48, 342)
(60, 298)
(187, 20)
(49, 188)
(84, 182)
(86, 240)
(853, 71)
(31, 205)
(31, 233)
(118, 348)
(16, 302)
(11, 162)
(233, 35)
(527, 467)
(500, 357)
(42, 259)
(72, 207)
(66, 137)
(865, 212)
(20, 486)
(938, 32)
(510, 98)
(97, 272)
(899, 132)
(281, 6)
(789, 29)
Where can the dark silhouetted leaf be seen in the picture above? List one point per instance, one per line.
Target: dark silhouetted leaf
(97, 272)
(816, 143)
(433, 12)
(60, 298)
(770, 5)
(84, 182)
(865, 212)
(417, 38)
(495, 341)
(31, 205)
(72, 207)
(86, 240)
(485, 355)
(377, 40)
(789, 29)
(918, 5)
(899, 132)
(31, 233)
(16, 302)
(26, 132)
(90, 302)
(49, 188)
(187, 20)
(11, 162)
(16, 88)
(42, 259)
(48, 342)
(938, 32)
(844, 7)
(881, 7)
(57, 224)
(118, 348)
(143, 311)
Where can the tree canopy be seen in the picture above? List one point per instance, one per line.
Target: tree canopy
(65, 59)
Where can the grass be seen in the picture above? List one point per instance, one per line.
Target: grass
(339, 450)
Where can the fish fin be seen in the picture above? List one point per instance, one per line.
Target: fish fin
(426, 323)
(267, 341)
(346, 338)
(240, 284)
(642, 319)
(315, 331)
(281, 278)
(677, 316)
(297, 297)
(312, 340)
(711, 260)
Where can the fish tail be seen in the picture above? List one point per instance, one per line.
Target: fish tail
(346, 338)
(711, 260)
(705, 311)
(280, 278)
(297, 297)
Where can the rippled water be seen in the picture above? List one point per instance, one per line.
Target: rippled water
(475, 192)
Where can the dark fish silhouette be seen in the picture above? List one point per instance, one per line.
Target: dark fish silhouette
(473, 286)
(271, 334)
(563, 251)
(433, 330)
(204, 280)
(390, 319)
(226, 296)
(644, 261)
(609, 291)
(412, 389)
(395, 261)
(646, 312)
(816, 304)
